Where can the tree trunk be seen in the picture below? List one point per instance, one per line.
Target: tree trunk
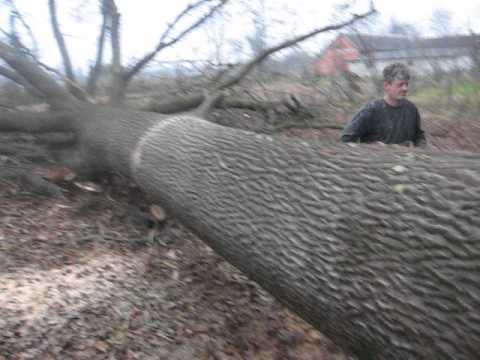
(379, 250)
(175, 104)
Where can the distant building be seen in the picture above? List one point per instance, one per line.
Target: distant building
(358, 53)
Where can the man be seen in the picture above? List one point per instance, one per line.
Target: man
(391, 120)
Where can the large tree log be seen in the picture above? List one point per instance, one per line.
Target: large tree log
(380, 250)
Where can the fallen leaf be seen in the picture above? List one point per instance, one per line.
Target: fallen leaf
(399, 188)
(89, 186)
(158, 213)
(175, 275)
(59, 173)
(399, 168)
(101, 346)
(170, 254)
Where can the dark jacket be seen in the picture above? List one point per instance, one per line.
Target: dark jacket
(378, 121)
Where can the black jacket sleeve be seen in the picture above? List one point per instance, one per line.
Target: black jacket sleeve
(359, 126)
(420, 139)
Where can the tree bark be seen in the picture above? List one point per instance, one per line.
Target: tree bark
(377, 249)
(35, 122)
(9, 74)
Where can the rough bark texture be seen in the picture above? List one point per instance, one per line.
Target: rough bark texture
(35, 122)
(379, 250)
(20, 80)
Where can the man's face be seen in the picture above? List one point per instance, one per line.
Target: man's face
(396, 90)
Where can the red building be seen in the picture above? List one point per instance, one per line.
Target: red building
(335, 58)
(357, 52)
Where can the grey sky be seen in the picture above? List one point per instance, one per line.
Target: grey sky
(144, 20)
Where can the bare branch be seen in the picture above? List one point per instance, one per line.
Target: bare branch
(60, 40)
(56, 96)
(191, 101)
(20, 80)
(179, 17)
(20, 17)
(163, 44)
(95, 70)
(35, 122)
(75, 88)
(117, 71)
(246, 68)
(115, 36)
(209, 102)
(72, 85)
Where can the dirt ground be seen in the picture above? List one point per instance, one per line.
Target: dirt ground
(92, 276)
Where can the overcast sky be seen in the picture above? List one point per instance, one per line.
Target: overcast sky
(144, 20)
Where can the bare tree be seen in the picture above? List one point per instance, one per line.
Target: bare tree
(441, 22)
(122, 75)
(406, 29)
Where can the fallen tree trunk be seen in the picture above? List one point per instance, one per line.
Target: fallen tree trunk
(377, 249)
(185, 103)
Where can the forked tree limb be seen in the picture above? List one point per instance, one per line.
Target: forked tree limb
(235, 75)
(56, 96)
(240, 73)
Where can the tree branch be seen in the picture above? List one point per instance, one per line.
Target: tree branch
(12, 75)
(72, 85)
(67, 64)
(95, 70)
(118, 85)
(189, 102)
(56, 96)
(163, 44)
(20, 17)
(179, 17)
(36, 122)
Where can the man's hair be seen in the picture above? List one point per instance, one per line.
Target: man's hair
(396, 71)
